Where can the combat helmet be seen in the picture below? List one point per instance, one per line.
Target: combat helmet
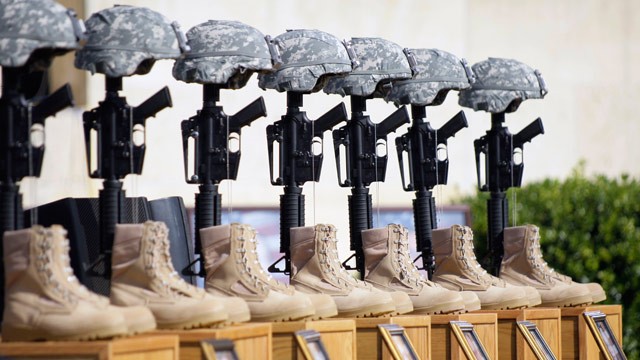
(127, 40)
(41, 27)
(380, 61)
(309, 57)
(224, 52)
(436, 72)
(502, 85)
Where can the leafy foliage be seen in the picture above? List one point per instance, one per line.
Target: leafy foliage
(590, 230)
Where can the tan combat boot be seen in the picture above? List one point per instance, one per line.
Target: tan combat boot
(457, 269)
(236, 308)
(532, 294)
(230, 272)
(388, 266)
(323, 304)
(597, 292)
(39, 304)
(315, 269)
(522, 264)
(138, 277)
(138, 319)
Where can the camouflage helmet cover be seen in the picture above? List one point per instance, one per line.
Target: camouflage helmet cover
(126, 40)
(223, 52)
(309, 57)
(380, 61)
(30, 25)
(436, 72)
(501, 85)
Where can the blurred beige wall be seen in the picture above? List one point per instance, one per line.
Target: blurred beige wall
(588, 52)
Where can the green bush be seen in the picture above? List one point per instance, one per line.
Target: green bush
(590, 230)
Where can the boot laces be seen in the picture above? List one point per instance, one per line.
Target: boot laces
(247, 264)
(171, 276)
(468, 257)
(45, 262)
(535, 255)
(408, 271)
(254, 261)
(154, 262)
(72, 280)
(330, 259)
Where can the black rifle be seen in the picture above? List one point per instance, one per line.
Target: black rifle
(118, 153)
(212, 131)
(428, 165)
(20, 154)
(296, 136)
(361, 140)
(503, 166)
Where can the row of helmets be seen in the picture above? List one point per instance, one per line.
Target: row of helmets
(127, 40)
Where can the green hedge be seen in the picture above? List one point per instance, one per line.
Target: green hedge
(590, 230)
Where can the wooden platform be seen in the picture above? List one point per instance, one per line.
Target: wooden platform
(444, 344)
(160, 347)
(251, 341)
(511, 343)
(338, 337)
(577, 341)
(371, 345)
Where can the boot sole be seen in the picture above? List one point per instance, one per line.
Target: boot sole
(510, 305)
(12, 333)
(440, 309)
(576, 301)
(193, 323)
(290, 316)
(371, 311)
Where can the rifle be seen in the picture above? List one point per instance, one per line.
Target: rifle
(113, 125)
(427, 168)
(21, 154)
(502, 171)
(362, 142)
(295, 136)
(211, 130)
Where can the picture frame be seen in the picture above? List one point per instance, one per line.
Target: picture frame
(535, 340)
(218, 349)
(604, 336)
(311, 345)
(468, 340)
(397, 342)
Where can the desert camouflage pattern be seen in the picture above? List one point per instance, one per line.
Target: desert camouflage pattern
(29, 25)
(436, 72)
(381, 61)
(502, 85)
(223, 52)
(126, 40)
(309, 58)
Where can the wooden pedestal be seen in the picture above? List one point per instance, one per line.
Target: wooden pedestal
(511, 343)
(372, 346)
(443, 341)
(251, 341)
(161, 347)
(577, 341)
(338, 337)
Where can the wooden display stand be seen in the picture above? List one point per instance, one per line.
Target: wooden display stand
(251, 341)
(160, 347)
(444, 344)
(338, 337)
(371, 344)
(512, 344)
(577, 340)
